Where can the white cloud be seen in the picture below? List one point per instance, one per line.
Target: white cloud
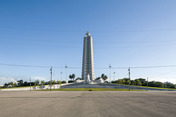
(19, 78)
(4, 80)
(39, 78)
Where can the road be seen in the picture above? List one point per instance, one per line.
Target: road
(87, 104)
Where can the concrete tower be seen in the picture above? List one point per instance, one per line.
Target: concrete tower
(88, 61)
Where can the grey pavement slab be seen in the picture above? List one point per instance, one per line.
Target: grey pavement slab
(88, 104)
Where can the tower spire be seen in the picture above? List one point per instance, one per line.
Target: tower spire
(88, 34)
(88, 61)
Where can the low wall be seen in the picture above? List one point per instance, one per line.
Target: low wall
(35, 88)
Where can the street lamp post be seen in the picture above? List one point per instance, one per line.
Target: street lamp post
(50, 78)
(129, 77)
(114, 76)
(30, 83)
(61, 76)
(66, 73)
(110, 73)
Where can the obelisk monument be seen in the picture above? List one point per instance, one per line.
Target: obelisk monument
(88, 59)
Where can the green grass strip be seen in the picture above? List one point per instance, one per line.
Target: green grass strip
(90, 89)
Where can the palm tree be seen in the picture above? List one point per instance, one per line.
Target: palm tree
(58, 82)
(36, 82)
(72, 76)
(104, 77)
(42, 83)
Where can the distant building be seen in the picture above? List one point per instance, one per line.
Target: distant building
(88, 59)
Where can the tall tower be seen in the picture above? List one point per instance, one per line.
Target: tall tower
(88, 61)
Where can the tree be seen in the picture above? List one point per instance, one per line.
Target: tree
(175, 86)
(78, 78)
(70, 81)
(143, 81)
(159, 84)
(5, 85)
(63, 82)
(25, 83)
(42, 83)
(126, 81)
(49, 83)
(121, 81)
(152, 84)
(53, 82)
(104, 77)
(36, 82)
(14, 84)
(72, 76)
(98, 78)
(58, 82)
(169, 85)
(10, 83)
(138, 82)
(133, 82)
(20, 82)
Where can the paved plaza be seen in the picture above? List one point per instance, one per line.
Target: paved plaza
(87, 104)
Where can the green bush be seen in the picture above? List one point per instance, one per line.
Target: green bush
(63, 82)
(70, 81)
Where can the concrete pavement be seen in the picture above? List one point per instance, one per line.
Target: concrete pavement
(88, 104)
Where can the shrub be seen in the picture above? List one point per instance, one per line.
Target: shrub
(63, 82)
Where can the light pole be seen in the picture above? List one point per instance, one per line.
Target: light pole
(129, 77)
(30, 83)
(114, 76)
(66, 73)
(61, 76)
(110, 73)
(50, 78)
(53, 82)
(147, 83)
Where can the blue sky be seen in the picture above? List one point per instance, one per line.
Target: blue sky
(126, 33)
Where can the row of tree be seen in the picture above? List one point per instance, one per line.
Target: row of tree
(125, 81)
(20, 83)
(139, 82)
(143, 82)
(103, 76)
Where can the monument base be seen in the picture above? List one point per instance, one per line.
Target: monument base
(89, 81)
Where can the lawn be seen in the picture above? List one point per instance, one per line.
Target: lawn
(149, 87)
(154, 87)
(90, 89)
